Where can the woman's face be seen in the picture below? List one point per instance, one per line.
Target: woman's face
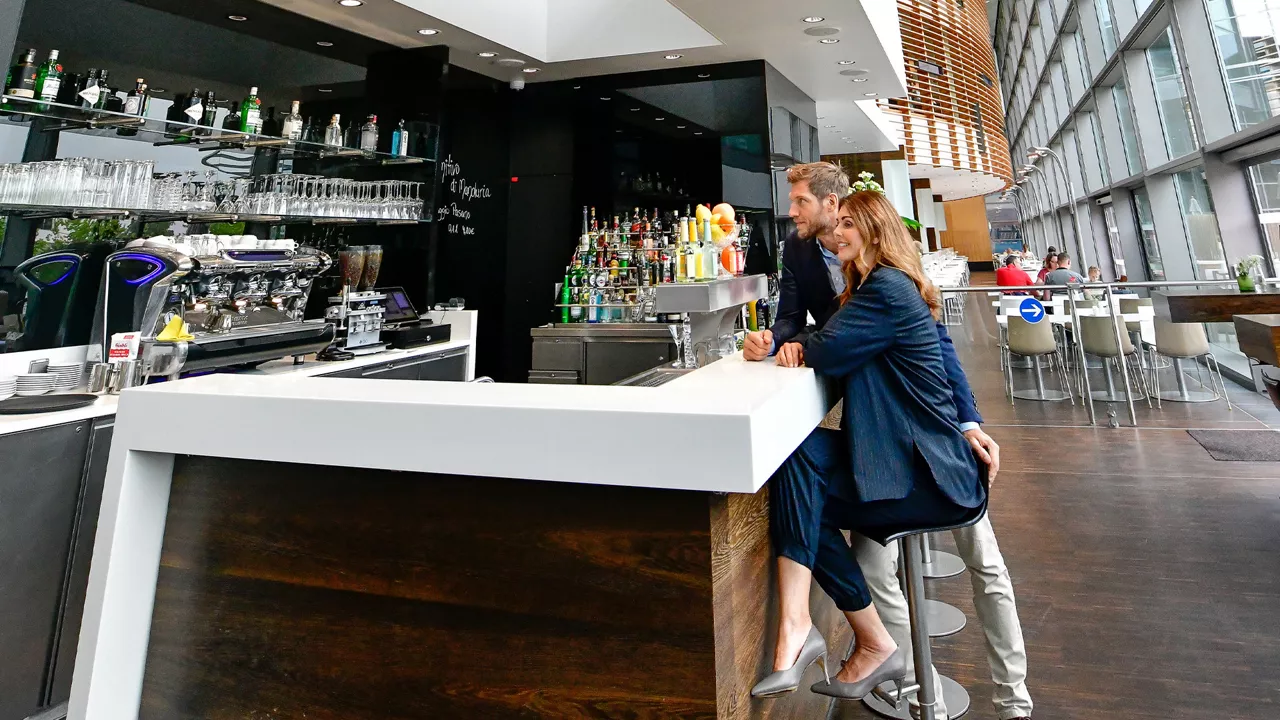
(848, 239)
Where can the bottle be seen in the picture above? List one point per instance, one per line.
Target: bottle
(194, 110)
(584, 242)
(369, 135)
(710, 254)
(135, 103)
(72, 84)
(210, 113)
(681, 268)
(576, 314)
(22, 78)
(565, 298)
(251, 113)
(49, 78)
(333, 133)
(270, 124)
(107, 95)
(92, 91)
(232, 120)
(400, 141)
(291, 128)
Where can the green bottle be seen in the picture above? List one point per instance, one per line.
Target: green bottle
(251, 113)
(49, 78)
(565, 298)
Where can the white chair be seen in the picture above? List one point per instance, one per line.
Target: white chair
(1034, 340)
(1185, 341)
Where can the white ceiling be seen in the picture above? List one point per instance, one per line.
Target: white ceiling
(567, 39)
(953, 184)
(856, 127)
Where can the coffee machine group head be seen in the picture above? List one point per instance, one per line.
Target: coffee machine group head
(60, 293)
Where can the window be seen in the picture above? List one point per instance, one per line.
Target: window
(1113, 241)
(1128, 134)
(1208, 258)
(1147, 229)
(1142, 5)
(1265, 180)
(1171, 96)
(1107, 25)
(1250, 59)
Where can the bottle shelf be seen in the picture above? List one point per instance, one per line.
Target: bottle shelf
(35, 212)
(162, 132)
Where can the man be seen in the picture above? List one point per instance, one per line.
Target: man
(811, 281)
(1010, 275)
(1063, 274)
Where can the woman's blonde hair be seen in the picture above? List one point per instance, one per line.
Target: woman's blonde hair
(885, 242)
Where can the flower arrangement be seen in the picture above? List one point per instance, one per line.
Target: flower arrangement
(867, 181)
(1245, 269)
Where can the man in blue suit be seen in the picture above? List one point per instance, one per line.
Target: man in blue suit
(811, 281)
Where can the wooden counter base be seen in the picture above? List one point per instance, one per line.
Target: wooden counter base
(290, 591)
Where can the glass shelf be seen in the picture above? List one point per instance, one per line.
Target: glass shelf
(34, 212)
(161, 132)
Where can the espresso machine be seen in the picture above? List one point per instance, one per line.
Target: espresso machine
(240, 306)
(60, 291)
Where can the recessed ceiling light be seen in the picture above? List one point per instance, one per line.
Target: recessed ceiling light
(859, 79)
(158, 90)
(635, 109)
(605, 98)
(846, 139)
(828, 126)
(237, 18)
(617, 131)
(813, 19)
(324, 43)
(326, 90)
(822, 117)
(577, 87)
(845, 62)
(869, 94)
(829, 41)
(680, 127)
(672, 57)
(531, 70)
(659, 119)
(705, 75)
(487, 54)
(428, 31)
(350, 3)
(697, 132)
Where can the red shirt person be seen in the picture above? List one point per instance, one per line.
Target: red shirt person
(1011, 275)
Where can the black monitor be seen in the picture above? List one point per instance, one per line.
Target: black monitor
(398, 308)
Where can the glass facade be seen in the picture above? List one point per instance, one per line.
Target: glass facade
(1245, 33)
(1107, 25)
(1128, 133)
(1113, 241)
(1171, 96)
(1147, 232)
(1264, 179)
(1208, 258)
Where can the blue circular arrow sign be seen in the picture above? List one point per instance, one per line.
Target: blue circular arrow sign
(1031, 310)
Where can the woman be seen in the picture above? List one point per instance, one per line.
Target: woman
(899, 461)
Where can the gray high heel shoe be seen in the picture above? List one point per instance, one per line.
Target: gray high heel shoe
(785, 681)
(893, 669)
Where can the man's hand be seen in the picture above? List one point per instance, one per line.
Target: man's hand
(790, 355)
(985, 448)
(757, 345)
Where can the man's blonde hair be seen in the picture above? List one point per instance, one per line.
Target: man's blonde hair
(824, 179)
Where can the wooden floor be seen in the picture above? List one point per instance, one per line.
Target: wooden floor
(1147, 574)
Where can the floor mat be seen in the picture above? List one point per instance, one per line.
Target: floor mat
(1240, 445)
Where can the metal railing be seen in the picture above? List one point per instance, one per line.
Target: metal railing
(1113, 310)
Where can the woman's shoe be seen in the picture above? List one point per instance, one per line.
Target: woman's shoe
(785, 681)
(893, 669)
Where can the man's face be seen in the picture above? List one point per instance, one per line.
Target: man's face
(812, 216)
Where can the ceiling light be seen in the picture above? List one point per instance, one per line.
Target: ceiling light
(859, 79)
(673, 57)
(487, 54)
(828, 126)
(829, 41)
(350, 3)
(845, 62)
(680, 127)
(846, 139)
(237, 18)
(617, 131)
(659, 119)
(324, 90)
(822, 117)
(813, 19)
(697, 132)
(705, 75)
(158, 90)
(531, 70)
(869, 94)
(635, 109)
(577, 87)
(605, 98)
(324, 43)
(428, 31)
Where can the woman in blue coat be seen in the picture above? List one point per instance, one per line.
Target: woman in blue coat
(898, 462)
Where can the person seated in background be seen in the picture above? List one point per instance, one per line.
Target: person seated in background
(1095, 275)
(1010, 274)
(1063, 273)
(1050, 264)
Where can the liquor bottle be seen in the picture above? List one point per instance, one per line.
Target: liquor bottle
(271, 124)
(232, 120)
(194, 110)
(291, 128)
(576, 280)
(22, 78)
(637, 226)
(49, 78)
(668, 266)
(710, 255)
(91, 92)
(400, 141)
(565, 298)
(251, 113)
(135, 103)
(333, 133)
(108, 94)
(593, 303)
(584, 242)
(681, 269)
(210, 113)
(613, 267)
(72, 83)
(369, 134)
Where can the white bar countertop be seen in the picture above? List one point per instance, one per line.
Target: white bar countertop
(723, 428)
(461, 335)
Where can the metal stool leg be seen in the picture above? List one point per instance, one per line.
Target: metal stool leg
(938, 565)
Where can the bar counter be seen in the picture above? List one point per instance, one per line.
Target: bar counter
(344, 549)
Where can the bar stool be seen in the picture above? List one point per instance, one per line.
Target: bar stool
(1098, 335)
(1184, 341)
(944, 619)
(1034, 340)
(887, 700)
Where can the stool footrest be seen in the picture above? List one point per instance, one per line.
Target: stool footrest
(890, 694)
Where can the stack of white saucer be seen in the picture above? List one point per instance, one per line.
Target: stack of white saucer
(35, 383)
(8, 386)
(66, 376)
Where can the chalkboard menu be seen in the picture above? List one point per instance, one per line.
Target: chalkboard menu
(463, 197)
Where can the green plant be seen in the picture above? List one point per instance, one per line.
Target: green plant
(1247, 264)
(68, 232)
(227, 228)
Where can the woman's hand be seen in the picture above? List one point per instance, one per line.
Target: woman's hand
(987, 450)
(790, 355)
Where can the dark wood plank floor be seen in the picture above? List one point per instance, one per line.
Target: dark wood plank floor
(1146, 573)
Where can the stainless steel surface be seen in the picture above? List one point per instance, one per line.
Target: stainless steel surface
(38, 366)
(654, 377)
(944, 619)
(588, 332)
(955, 697)
(99, 374)
(709, 297)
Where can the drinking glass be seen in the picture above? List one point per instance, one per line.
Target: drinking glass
(675, 338)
